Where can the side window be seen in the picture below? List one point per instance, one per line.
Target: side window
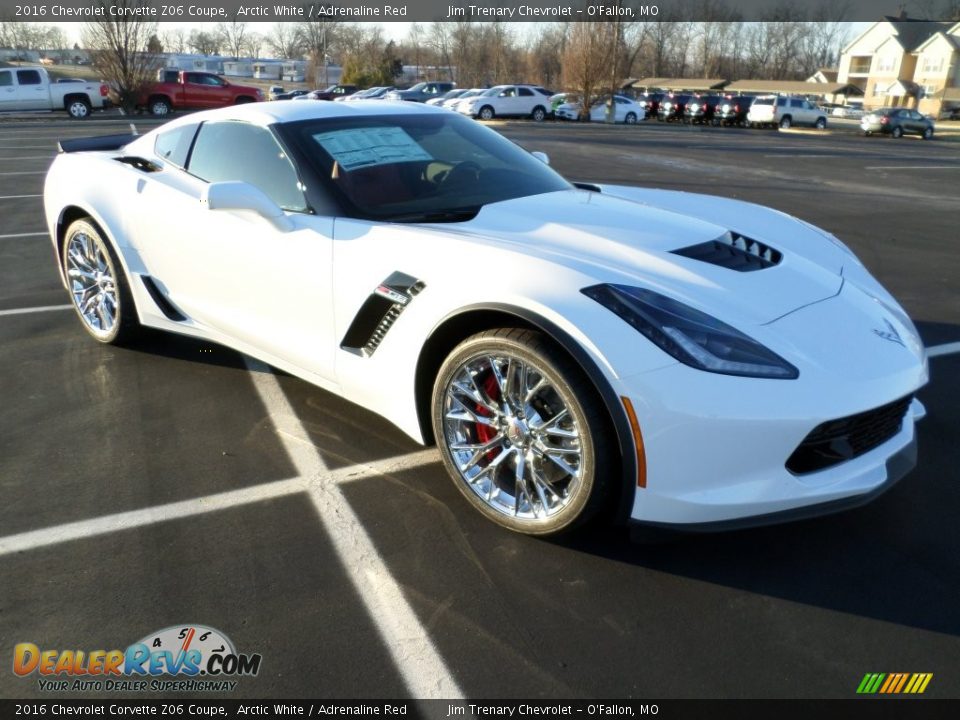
(28, 77)
(526, 92)
(781, 102)
(225, 151)
(6, 78)
(796, 103)
(174, 145)
(212, 80)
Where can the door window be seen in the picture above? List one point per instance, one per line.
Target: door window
(28, 77)
(225, 151)
(6, 78)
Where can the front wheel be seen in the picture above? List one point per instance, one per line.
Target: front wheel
(97, 285)
(630, 119)
(521, 432)
(821, 123)
(486, 113)
(928, 133)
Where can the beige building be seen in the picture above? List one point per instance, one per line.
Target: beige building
(904, 62)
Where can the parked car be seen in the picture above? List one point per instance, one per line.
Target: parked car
(627, 110)
(733, 110)
(274, 91)
(847, 111)
(564, 98)
(897, 122)
(421, 92)
(333, 92)
(951, 114)
(29, 88)
(449, 95)
(374, 93)
(650, 102)
(702, 109)
(784, 112)
(672, 107)
(656, 356)
(290, 95)
(471, 93)
(508, 101)
(191, 90)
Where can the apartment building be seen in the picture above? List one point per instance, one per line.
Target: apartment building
(904, 62)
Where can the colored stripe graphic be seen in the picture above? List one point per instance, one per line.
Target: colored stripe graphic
(894, 683)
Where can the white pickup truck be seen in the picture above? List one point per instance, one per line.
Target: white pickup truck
(30, 88)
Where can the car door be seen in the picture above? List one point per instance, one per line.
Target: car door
(202, 90)
(8, 90)
(233, 271)
(526, 100)
(31, 92)
(507, 101)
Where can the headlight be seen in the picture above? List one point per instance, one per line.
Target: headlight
(692, 337)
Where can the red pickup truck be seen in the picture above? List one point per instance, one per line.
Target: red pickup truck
(190, 90)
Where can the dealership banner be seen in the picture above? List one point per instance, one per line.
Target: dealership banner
(59, 11)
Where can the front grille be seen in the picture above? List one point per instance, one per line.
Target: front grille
(734, 252)
(837, 441)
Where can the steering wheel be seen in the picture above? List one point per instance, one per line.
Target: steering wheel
(459, 173)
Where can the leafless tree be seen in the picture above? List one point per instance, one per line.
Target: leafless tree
(174, 40)
(587, 59)
(253, 44)
(284, 41)
(116, 46)
(233, 37)
(203, 42)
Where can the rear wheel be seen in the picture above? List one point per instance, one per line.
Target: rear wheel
(521, 432)
(538, 114)
(78, 108)
(97, 285)
(786, 122)
(897, 132)
(160, 107)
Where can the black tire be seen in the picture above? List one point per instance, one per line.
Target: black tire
(896, 132)
(867, 133)
(630, 119)
(928, 133)
(243, 100)
(785, 122)
(538, 114)
(519, 430)
(126, 325)
(486, 113)
(821, 124)
(159, 106)
(77, 107)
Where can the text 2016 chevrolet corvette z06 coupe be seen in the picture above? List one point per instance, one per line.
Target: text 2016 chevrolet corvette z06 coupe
(684, 360)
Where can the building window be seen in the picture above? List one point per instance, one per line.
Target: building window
(930, 90)
(886, 64)
(860, 65)
(932, 64)
(879, 90)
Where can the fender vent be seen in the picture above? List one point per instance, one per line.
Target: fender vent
(169, 310)
(379, 312)
(734, 252)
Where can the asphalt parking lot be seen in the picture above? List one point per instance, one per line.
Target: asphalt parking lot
(181, 483)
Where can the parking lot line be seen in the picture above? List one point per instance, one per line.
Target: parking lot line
(912, 167)
(945, 349)
(413, 653)
(30, 157)
(25, 172)
(22, 235)
(27, 311)
(18, 197)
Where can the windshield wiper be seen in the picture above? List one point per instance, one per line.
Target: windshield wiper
(437, 216)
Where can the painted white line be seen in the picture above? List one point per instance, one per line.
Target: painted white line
(947, 349)
(20, 235)
(28, 147)
(18, 197)
(27, 311)
(30, 157)
(912, 167)
(25, 172)
(413, 653)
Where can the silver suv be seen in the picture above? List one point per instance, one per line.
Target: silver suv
(773, 110)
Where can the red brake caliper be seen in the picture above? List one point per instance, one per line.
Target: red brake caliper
(485, 433)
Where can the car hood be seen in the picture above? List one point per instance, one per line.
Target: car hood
(632, 240)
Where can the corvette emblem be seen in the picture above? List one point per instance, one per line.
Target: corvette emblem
(890, 333)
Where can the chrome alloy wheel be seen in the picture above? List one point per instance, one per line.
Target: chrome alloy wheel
(92, 284)
(512, 437)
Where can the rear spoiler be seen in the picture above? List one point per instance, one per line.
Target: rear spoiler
(100, 142)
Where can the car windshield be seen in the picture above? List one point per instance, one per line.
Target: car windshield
(418, 86)
(419, 167)
(493, 91)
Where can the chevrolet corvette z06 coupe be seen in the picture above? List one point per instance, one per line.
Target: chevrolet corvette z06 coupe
(574, 350)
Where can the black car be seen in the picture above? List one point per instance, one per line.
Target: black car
(896, 122)
(651, 103)
(292, 94)
(672, 107)
(733, 109)
(701, 109)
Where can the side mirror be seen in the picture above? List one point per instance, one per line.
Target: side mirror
(244, 196)
(541, 156)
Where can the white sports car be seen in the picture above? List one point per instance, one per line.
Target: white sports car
(650, 356)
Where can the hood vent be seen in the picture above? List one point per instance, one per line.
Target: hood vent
(734, 252)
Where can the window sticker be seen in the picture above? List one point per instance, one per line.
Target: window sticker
(368, 147)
